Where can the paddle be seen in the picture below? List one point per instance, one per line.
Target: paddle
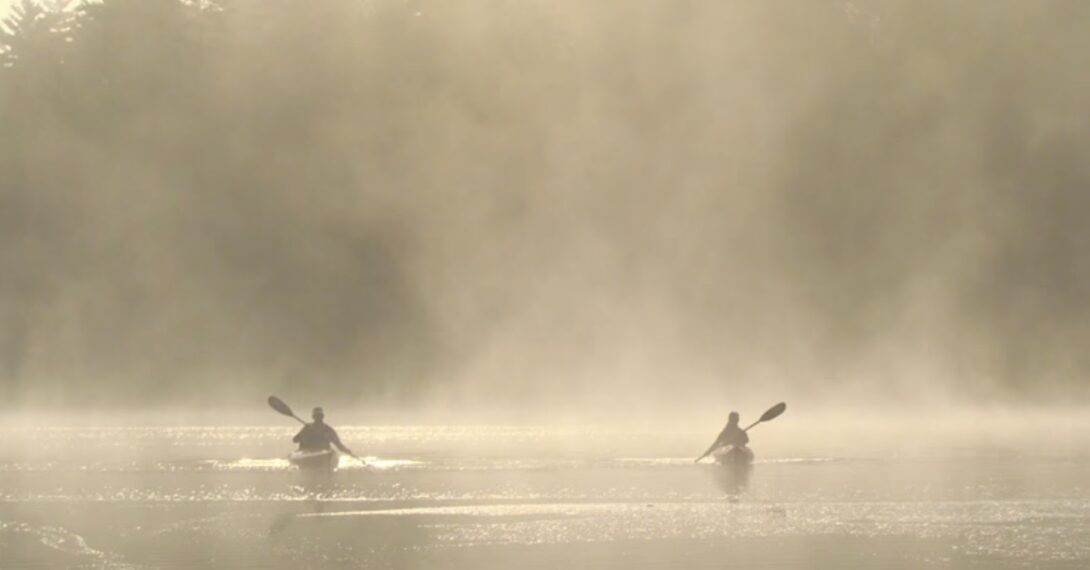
(279, 405)
(771, 414)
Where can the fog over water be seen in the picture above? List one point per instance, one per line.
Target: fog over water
(529, 254)
(547, 205)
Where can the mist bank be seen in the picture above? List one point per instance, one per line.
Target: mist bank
(1024, 436)
(543, 205)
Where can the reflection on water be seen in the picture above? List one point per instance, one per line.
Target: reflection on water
(526, 497)
(732, 478)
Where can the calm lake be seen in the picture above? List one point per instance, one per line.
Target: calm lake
(531, 497)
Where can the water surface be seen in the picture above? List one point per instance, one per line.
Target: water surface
(528, 497)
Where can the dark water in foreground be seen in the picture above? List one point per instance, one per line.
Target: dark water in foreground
(517, 497)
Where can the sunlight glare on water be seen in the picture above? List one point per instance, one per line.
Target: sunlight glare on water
(455, 496)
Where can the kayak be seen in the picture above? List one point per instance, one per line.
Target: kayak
(315, 459)
(733, 456)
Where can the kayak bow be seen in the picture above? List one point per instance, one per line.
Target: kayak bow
(733, 456)
(315, 459)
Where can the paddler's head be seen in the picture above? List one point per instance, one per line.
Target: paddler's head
(318, 414)
(733, 419)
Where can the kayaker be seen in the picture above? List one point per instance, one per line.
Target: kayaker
(318, 435)
(731, 435)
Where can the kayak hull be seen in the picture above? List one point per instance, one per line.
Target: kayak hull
(324, 459)
(734, 456)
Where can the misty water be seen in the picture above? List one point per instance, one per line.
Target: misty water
(491, 497)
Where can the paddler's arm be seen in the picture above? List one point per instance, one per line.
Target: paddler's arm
(344, 448)
(299, 435)
(714, 446)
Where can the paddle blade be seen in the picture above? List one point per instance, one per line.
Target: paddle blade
(279, 405)
(774, 411)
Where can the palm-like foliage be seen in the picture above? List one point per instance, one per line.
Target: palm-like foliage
(19, 29)
(35, 31)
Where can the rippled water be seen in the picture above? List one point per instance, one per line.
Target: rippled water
(502, 497)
